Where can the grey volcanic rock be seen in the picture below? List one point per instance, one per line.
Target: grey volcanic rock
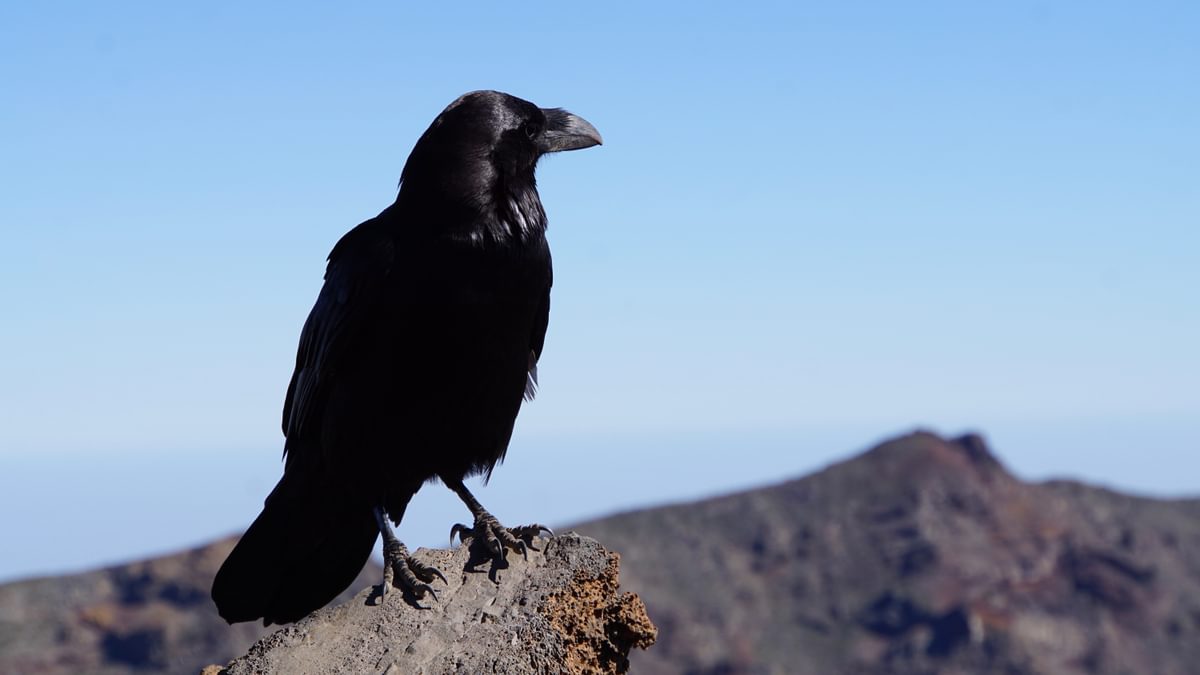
(146, 617)
(557, 612)
(923, 555)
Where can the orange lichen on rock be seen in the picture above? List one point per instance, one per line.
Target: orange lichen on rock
(598, 626)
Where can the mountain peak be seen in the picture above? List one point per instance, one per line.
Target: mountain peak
(921, 449)
(921, 555)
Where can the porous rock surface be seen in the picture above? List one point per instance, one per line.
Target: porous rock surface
(559, 611)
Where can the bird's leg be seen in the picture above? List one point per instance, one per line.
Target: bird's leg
(487, 529)
(414, 574)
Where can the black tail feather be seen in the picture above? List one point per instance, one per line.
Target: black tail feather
(306, 547)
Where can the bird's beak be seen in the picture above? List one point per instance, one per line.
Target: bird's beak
(565, 131)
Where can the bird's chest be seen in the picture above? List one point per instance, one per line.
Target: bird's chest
(469, 306)
(460, 346)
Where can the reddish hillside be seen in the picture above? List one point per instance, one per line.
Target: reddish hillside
(922, 555)
(151, 616)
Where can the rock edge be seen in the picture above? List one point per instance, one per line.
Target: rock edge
(558, 611)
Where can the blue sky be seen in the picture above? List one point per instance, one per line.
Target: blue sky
(811, 226)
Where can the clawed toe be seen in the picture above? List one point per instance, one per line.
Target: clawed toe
(413, 575)
(496, 538)
(525, 534)
(463, 532)
(420, 590)
(530, 531)
(435, 572)
(488, 531)
(426, 573)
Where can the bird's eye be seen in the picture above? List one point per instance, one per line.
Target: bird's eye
(531, 129)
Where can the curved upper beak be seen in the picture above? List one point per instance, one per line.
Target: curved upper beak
(565, 131)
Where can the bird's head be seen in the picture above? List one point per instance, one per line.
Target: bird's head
(479, 156)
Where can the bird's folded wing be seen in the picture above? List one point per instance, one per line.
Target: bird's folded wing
(354, 278)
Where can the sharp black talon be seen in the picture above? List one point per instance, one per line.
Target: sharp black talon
(402, 569)
(458, 529)
(531, 531)
(497, 539)
(426, 573)
(420, 590)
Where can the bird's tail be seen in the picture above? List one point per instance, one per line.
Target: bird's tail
(307, 545)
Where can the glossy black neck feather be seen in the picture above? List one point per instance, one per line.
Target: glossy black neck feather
(469, 194)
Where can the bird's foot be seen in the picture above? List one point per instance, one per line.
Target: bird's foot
(497, 538)
(414, 575)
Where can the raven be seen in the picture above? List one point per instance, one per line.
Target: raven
(413, 363)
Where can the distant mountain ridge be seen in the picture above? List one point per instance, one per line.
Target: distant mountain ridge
(923, 555)
(149, 616)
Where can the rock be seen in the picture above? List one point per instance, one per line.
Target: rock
(559, 611)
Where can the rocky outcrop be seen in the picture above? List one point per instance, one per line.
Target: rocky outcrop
(559, 611)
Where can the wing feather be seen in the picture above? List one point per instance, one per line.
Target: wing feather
(537, 340)
(354, 279)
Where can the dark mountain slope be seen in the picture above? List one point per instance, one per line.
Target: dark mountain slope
(922, 555)
(150, 616)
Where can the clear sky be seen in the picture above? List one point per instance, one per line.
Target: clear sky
(811, 226)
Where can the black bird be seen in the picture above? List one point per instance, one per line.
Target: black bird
(413, 363)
